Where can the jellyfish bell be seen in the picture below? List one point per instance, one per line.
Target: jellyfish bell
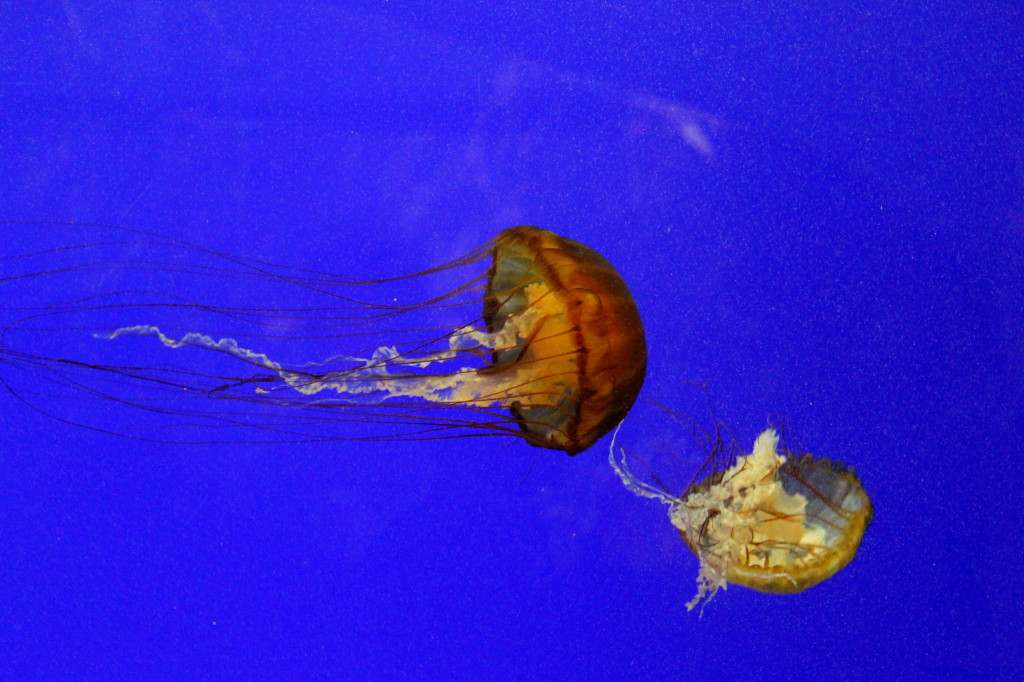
(572, 336)
(553, 350)
(772, 520)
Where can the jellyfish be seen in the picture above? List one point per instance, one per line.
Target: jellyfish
(554, 351)
(773, 520)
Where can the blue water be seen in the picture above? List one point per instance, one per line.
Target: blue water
(819, 213)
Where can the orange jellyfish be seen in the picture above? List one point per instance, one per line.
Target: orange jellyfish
(555, 352)
(773, 520)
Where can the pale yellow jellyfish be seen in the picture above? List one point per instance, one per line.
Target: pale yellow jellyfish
(771, 520)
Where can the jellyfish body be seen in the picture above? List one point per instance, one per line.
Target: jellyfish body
(582, 355)
(556, 354)
(771, 521)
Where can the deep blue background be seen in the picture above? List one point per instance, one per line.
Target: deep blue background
(846, 251)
